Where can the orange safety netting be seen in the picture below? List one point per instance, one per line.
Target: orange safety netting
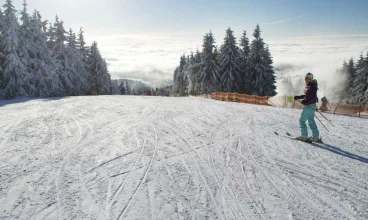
(242, 98)
(288, 101)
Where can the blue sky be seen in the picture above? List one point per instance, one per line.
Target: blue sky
(145, 38)
(281, 18)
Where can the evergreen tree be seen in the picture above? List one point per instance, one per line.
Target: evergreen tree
(261, 71)
(51, 33)
(182, 76)
(99, 78)
(192, 61)
(360, 83)
(244, 46)
(24, 28)
(351, 68)
(2, 59)
(192, 70)
(229, 64)
(44, 68)
(60, 54)
(344, 88)
(81, 45)
(60, 39)
(105, 78)
(71, 69)
(35, 61)
(25, 50)
(208, 75)
(72, 41)
(15, 72)
(1, 18)
(198, 57)
(115, 87)
(128, 89)
(243, 63)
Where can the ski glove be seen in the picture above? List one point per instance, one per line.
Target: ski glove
(297, 97)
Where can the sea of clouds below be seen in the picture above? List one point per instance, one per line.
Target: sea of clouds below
(153, 58)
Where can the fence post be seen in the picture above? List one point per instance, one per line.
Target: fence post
(285, 102)
(336, 107)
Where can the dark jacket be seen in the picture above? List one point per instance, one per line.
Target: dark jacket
(310, 93)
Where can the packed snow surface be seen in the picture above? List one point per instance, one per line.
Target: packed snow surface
(126, 157)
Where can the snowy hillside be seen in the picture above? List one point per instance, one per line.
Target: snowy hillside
(125, 157)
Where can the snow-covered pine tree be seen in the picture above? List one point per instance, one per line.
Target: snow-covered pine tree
(191, 57)
(59, 52)
(343, 90)
(25, 51)
(198, 57)
(81, 45)
(261, 71)
(175, 89)
(45, 78)
(99, 78)
(270, 87)
(2, 59)
(229, 64)
(93, 68)
(51, 33)
(1, 18)
(60, 38)
(128, 88)
(106, 78)
(208, 75)
(351, 71)
(360, 83)
(244, 46)
(244, 55)
(15, 72)
(115, 87)
(72, 41)
(192, 70)
(182, 77)
(179, 77)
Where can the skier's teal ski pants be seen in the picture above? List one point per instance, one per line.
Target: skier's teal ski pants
(308, 115)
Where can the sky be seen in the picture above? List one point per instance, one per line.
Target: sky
(144, 39)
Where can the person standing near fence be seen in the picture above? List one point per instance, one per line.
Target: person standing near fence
(309, 100)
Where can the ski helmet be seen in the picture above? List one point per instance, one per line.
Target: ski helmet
(309, 75)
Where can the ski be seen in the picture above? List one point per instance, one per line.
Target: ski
(308, 140)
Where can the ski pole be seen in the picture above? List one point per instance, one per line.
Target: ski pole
(326, 118)
(321, 123)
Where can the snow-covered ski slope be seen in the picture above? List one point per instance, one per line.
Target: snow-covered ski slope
(126, 157)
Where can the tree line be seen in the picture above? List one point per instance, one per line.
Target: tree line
(41, 59)
(246, 68)
(353, 89)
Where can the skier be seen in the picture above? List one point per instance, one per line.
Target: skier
(309, 100)
(123, 90)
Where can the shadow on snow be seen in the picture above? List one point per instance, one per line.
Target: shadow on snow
(338, 151)
(23, 100)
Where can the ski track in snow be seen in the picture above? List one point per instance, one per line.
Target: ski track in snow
(126, 157)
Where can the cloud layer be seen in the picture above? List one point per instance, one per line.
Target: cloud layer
(153, 57)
